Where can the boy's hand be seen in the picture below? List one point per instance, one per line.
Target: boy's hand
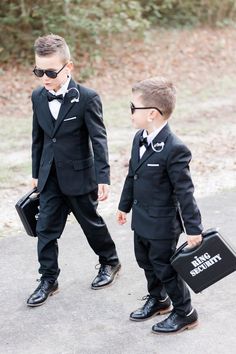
(194, 240)
(121, 217)
(34, 182)
(103, 190)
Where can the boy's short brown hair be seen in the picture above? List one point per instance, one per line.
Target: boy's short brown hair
(157, 92)
(52, 44)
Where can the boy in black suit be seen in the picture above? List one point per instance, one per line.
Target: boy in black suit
(159, 190)
(69, 165)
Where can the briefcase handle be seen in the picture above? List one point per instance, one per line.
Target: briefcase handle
(184, 247)
(35, 194)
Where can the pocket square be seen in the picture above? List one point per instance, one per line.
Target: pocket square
(153, 164)
(70, 119)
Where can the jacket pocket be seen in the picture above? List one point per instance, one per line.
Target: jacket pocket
(161, 212)
(68, 119)
(82, 164)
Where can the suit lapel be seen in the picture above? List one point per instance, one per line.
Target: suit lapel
(65, 106)
(160, 138)
(135, 157)
(47, 119)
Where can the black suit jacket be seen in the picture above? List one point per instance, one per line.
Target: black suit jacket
(76, 141)
(159, 189)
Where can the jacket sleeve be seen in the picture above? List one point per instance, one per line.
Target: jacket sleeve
(179, 174)
(37, 142)
(126, 199)
(98, 136)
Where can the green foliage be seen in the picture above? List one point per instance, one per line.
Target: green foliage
(85, 24)
(189, 12)
(90, 25)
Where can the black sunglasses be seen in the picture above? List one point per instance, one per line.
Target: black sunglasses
(50, 73)
(133, 108)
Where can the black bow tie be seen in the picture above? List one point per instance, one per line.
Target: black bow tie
(143, 141)
(52, 97)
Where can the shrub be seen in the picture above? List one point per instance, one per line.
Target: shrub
(89, 25)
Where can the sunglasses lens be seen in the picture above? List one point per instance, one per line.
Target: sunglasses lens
(51, 74)
(38, 72)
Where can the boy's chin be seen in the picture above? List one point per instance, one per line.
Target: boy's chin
(48, 87)
(134, 125)
(51, 87)
(137, 126)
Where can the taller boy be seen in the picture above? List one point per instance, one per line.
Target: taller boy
(69, 165)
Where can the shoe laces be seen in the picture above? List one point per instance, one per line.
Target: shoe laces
(43, 284)
(147, 298)
(103, 269)
(173, 315)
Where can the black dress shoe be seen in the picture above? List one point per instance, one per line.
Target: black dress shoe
(42, 292)
(176, 323)
(152, 307)
(105, 277)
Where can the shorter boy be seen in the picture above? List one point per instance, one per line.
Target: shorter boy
(159, 190)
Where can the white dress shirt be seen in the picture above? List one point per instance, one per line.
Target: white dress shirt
(150, 138)
(55, 105)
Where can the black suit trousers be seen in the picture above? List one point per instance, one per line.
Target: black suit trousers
(54, 208)
(153, 255)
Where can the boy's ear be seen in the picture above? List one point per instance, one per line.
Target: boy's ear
(70, 66)
(152, 115)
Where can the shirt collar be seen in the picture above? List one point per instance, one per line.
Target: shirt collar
(63, 89)
(151, 136)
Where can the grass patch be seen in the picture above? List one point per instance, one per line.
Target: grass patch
(189, 100)
(11, 174)
(117, 113)
(190, 118)
(15, 133)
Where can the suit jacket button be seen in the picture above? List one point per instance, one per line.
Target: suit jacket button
(135, 177)
(135, 201)
(54, 140)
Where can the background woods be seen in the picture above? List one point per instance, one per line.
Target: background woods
(89, 25)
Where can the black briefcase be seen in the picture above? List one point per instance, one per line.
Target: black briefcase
(28, 210)
(205, 264)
